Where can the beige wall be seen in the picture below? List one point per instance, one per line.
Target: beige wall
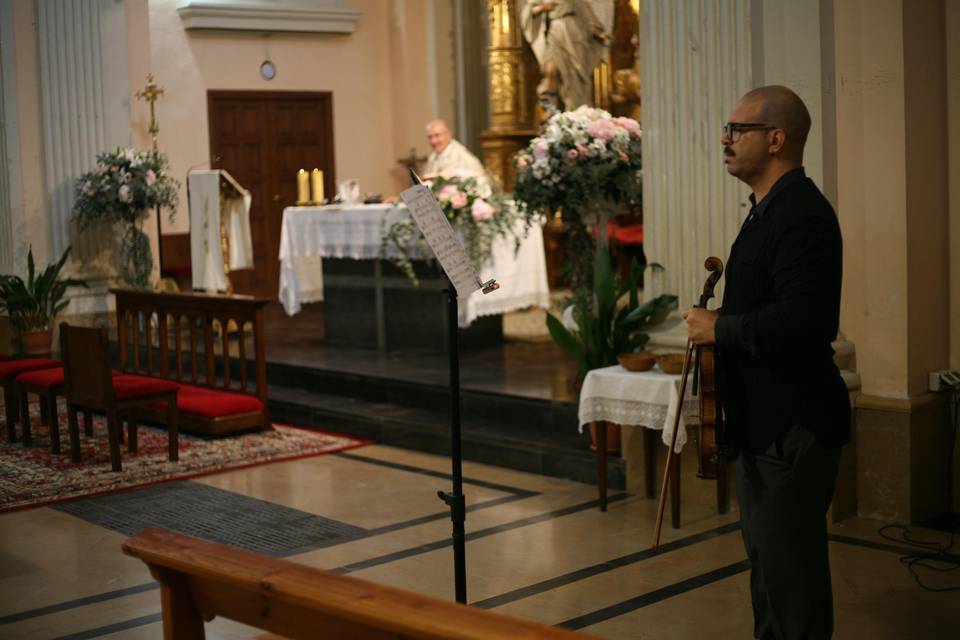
(137, 17)
(893, 190)
(871, 152)
(928, 298)
(378, 75)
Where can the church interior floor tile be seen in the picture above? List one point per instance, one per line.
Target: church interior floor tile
(537, 547)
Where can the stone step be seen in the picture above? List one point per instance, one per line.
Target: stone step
(562, 453)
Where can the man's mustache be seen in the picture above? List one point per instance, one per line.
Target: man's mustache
(727, 151)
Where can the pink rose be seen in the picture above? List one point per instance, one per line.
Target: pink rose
(458, 200)
(447, 192)
(623, 156)
(481, 210)
(582, 150)
(572, 154)
(603, 129)
(631, 125)
(150, 178)
(540, 149)
(521, 162)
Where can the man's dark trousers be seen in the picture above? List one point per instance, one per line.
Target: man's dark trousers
(783, 496)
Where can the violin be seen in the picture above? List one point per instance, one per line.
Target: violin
(704, 360)
(705, 386)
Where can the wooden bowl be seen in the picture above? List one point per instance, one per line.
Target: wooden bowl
(671, 362)
(636, 361)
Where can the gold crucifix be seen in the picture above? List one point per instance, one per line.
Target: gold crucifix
(150, 93)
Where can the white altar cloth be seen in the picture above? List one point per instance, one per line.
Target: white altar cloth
(309, 234)
(643, 398)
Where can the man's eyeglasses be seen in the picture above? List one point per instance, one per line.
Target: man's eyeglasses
(733, 130)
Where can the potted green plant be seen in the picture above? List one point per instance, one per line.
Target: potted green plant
(32, 305)
(604, 331)
(604, 328)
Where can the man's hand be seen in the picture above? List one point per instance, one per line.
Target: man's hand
(700, 325)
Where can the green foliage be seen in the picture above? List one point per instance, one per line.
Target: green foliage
(474, 208)
(123, 187)
(580, 160)
(136, 260)
(33, 304)
(603, 330)
(586, 165)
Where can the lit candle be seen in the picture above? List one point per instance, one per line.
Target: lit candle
(316, 186)
(303, 187)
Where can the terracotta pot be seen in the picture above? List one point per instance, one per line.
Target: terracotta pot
(613, 437)
(36, 343)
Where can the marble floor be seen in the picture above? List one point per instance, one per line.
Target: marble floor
(537, 547)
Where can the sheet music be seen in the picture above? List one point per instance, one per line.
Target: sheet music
(442, 239)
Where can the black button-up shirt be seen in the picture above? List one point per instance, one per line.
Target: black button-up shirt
(780, 312)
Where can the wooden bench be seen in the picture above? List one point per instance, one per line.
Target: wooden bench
(211, 400)
(200, 580)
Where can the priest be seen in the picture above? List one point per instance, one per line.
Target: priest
(449, 157)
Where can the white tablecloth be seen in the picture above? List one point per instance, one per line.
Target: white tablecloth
(309, 234)
(644, 398)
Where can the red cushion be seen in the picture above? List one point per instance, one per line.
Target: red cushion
(10, 369)
(210, 403)
(43, 378)
(47, 377)
(127, 386)
(627, 234)
(4, 356)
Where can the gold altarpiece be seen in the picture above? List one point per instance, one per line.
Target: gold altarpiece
(515, 116)
(514, 74)
(513, 80)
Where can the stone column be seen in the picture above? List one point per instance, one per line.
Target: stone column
(511, 92)
(696, 60)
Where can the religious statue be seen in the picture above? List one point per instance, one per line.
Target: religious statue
(569, 38)
(625, 95)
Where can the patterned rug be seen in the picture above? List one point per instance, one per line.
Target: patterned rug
(32, 476)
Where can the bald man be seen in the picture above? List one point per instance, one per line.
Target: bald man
(786, 407)
(449, 157)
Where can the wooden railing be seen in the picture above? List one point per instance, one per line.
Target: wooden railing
(183, 322)
(200, 580)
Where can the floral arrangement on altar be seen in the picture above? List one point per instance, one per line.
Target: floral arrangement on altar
(586, 164)
(477, 212)
(122, 189)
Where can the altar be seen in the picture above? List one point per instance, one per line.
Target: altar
(333, 253)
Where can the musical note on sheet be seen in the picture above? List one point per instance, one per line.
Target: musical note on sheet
(442, 239)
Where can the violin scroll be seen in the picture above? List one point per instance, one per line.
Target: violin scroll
(714, 265)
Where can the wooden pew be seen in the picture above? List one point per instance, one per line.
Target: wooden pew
(183, 322)
(200, 580)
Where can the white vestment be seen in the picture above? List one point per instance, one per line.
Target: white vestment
(454, 161)
(206, 252)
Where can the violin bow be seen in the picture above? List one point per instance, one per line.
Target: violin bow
(715, 266)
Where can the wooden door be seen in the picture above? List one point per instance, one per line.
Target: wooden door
(263, 138)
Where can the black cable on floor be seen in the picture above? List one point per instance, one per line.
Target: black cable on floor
(933, 549)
